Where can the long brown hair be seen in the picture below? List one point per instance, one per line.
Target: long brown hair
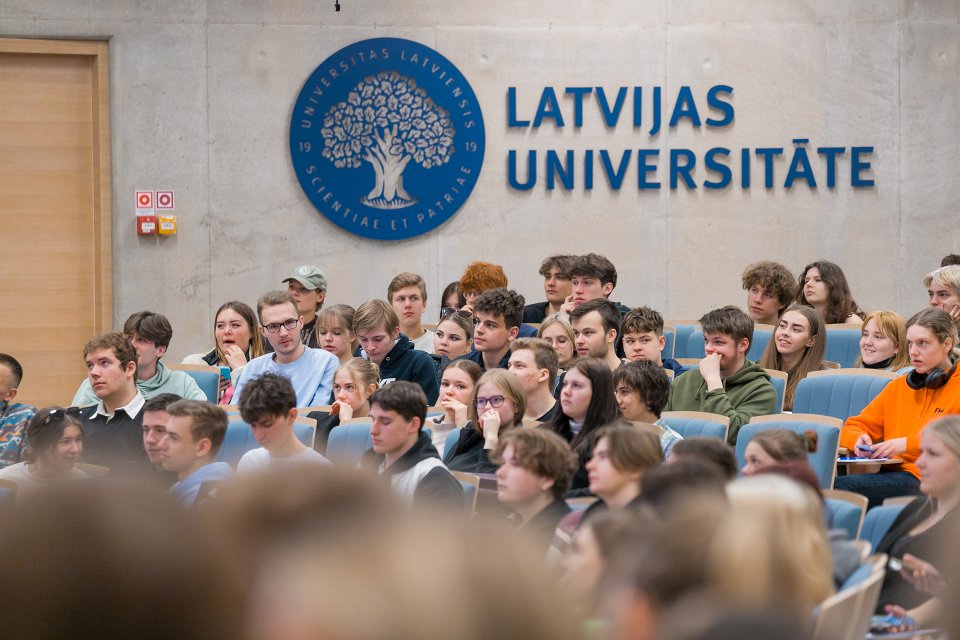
(244, 311)
(812, 359)
(840, 302)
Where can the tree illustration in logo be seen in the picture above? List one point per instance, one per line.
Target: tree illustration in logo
(387, 120)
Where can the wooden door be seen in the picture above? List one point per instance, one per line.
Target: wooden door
(54, 210)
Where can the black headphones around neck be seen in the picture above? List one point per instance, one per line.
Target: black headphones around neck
(936, 378)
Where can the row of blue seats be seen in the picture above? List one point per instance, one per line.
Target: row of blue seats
(843, 345)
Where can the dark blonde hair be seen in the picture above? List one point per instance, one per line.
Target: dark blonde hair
(940, 324)
(373, 314)
(407, 279)
(342, 315)
(542, 453)
(630, 447)
(362, 371)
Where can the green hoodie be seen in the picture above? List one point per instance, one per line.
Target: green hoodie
(164, 381)
(745, 394)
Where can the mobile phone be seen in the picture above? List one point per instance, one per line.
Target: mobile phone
(225, 373)
(864, 447)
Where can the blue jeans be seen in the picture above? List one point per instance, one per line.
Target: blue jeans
(877, 487)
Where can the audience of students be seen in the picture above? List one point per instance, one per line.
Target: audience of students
(770, 289)
(55, 445)
(496, 406)
(824, 287)
(534, 362)
(407, 293)
(308, 287)
(883, 342)
(891, 425)
(796, 348)
(14, 416)
(335, 331)
(236, 341)
(353, 382)
(457, 383)
(725, 382)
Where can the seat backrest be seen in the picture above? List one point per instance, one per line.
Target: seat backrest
(348, 442)
(877, 522)
(695, 344)
(839, 393)
(471, 489)
(843, 344)
(239, 438)
(670, 341)
(451, 442)
(208, 381)
(761, 337)
(683, 331)
(858, 501)
(847, 614)
(823, 460)
(692, 424)
(779, 381)
(843, 515)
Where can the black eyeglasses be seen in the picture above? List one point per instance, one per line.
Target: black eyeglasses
(494, 401)
(289, 325)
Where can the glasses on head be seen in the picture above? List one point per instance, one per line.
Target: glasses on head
(289, 325)
(446, 312)
(494, 401)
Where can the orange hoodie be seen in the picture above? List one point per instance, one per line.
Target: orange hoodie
(900, 411)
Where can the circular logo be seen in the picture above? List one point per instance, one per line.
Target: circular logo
(387, 138)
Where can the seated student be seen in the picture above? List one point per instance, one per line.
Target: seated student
(403, 452)
(113, 427)
(558, 331)
(55, 442)
(708, 450)
(776, 447)
(453, 338)
(556, 286)
(943, 287)
(725, 383)
(890, 426)
(824, 287)
(188, 448)
(308, 287)
(534, 362)
(310, 371)
(796, 348)
(642, 389)
(335, 331)
(770, 289)
(587, 403)
(14, 416)
(150, 334)
(620, 454)
(883, 342)
(269, 406)
(596, 327)
(643, 339)
(592, 277)
(497, 315)
(236, 341)
(496, 407)
(407, 293)
(480, 277)
(378, 332)
(154, 425)
(536, 467)
(452, 298)
(457, 383)
(353, 383)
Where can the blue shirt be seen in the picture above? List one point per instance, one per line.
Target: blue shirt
(311, 375)
(187, 490)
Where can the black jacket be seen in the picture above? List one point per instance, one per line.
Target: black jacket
(406, 363)
(438, 488)
(469, 455)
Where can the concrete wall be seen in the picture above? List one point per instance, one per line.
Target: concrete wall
(202, 94)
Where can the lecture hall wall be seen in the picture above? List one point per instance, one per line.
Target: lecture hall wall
(202, 95)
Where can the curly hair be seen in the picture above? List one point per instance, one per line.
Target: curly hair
(501, 302)
(776, 280)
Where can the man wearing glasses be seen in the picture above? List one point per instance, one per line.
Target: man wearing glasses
(310, 371)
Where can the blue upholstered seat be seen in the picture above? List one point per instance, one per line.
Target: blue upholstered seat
(843, 345)
(823, 460)
(695, 424)
(877, 523)
(348, 442)
(839, 393)
(208, 381)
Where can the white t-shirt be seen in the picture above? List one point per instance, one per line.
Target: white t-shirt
(260, 459)
(424, 342)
